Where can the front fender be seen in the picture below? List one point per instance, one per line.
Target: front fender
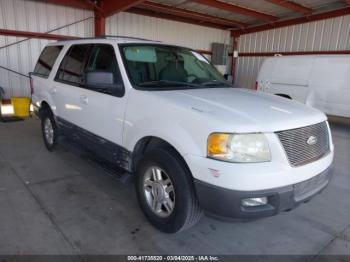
(169, 131)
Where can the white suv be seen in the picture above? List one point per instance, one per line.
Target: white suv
(193, 142)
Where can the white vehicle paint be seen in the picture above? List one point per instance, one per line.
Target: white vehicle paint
(190, 119)
(320, 81)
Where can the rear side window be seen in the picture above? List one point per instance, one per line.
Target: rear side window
(73, 64)
(46, 60)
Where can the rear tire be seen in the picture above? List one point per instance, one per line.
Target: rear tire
(163, 179)
(49, 129)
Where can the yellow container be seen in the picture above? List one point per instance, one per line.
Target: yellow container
(21, 106)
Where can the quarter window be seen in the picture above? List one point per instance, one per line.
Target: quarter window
(46, 60)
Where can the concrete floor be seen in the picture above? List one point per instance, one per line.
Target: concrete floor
(59, 203)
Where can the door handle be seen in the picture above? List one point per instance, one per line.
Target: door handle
(53, 91)
(84, 99)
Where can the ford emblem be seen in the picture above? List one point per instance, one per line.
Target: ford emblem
(312, 140)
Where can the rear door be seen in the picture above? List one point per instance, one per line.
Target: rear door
(290, 76)
(39, 77)
(330, 86)
(264, 76)
(68, 83)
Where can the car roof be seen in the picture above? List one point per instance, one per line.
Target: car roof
(106, 39)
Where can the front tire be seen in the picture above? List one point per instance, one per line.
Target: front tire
(165, 191)
(49, 130)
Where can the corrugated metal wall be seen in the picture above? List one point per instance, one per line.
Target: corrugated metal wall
(193, 36)
(24, 15)
(330, 34)
(325, 35)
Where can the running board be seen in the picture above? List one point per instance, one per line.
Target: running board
(107, 167)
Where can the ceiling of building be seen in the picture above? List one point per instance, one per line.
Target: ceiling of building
(240, 16)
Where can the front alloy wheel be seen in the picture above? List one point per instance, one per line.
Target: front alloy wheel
(159, 191)
(165, 190)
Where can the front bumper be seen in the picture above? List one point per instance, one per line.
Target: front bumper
(226, 204)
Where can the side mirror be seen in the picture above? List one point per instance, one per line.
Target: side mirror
(99, 79)
(103, 81)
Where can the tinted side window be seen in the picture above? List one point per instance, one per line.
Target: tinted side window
(72, 67)
(103, 59)
(103, 68)
(46, 60)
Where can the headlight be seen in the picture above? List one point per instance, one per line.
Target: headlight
(239, 148)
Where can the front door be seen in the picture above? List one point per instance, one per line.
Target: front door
(102, 113)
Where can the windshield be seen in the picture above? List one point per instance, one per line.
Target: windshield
(161, 66)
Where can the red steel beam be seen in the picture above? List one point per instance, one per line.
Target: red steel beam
(96, 6)
(35, 35)
(140, 11)
(237, 9)
(111, 7)
(156, 7)
(259, 54)
(292, 6)
(105, 7)
(99, 24)
(295, 21)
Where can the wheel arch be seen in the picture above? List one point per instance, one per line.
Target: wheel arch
(44, 105)
(149, 142)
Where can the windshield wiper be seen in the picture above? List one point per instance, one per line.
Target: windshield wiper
(166, 83)
(215, 83)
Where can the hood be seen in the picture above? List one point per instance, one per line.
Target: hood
(246, 110)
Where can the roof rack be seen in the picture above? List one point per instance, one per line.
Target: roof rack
(112, 36)
(128, 37)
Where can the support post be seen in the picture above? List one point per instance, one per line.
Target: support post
(235, 38)
(100, 24)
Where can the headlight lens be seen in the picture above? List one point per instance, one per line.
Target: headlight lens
(239, 148)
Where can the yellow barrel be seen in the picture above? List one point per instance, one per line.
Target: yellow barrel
(21, 106)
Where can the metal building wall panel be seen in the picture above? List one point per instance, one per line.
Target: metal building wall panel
(35, 16)
(324, 35)
(193, 36)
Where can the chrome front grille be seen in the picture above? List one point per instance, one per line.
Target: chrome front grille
(306, 144)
